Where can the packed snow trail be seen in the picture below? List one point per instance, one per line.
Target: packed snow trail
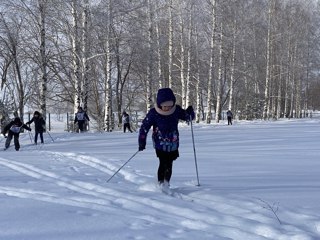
(61, 188)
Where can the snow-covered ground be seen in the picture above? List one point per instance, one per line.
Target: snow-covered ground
(258, 180)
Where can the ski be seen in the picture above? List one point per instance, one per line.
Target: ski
(166, 189)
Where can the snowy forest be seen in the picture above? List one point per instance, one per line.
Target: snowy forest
(259, 58)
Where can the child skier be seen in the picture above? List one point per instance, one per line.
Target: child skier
(81, 117)
(126, 122)
(164, 119)
(13, 129)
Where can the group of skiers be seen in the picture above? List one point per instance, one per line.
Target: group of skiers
(13, 130)
(163, 118)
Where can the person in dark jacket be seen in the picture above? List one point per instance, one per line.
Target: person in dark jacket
(13, 129)
(164, 119)
(126, 122)
(39, 126)
(229, 117)
(81, 117)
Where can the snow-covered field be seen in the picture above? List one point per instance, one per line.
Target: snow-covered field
(258, 180)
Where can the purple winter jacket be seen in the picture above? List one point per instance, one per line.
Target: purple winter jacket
(165, 133)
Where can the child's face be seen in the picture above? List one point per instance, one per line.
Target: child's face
(166, 108)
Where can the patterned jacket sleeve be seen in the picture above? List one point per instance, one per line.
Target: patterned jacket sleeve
(190, 114)
(144, 129)
(186, 114)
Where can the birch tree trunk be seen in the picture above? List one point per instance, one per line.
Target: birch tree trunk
(293, 82)
(288, 77)
(211, 64)
(150, 52)
(85, 66)
(108, 113)
(298, 110)
(219, 82)
(170, 45)
(246, 86)
(159, 62)
(198, 81)
(75, 56)
(188, 74)
(43, 58)
(279, 94)
(233, 60)
(266, 106)
(182, 79)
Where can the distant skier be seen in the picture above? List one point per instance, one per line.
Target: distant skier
(126, 122)
(229, 117)
(13, 129)
(81, 117)
(39, 126)
(164, 119)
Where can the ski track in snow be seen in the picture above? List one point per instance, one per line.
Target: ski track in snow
(197, 209)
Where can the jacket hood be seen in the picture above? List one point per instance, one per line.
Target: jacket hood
(17, 120)
(165, 95)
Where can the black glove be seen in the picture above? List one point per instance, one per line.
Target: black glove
(141, 148)
(189, 110)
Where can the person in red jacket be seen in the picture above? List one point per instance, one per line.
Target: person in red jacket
(13, 129)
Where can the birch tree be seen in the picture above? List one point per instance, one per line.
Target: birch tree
(108, 112)
(76, 55)
(15, 85)
(43, 57)
(266, 107)
(170, 44)
(211, 64)
(189, 47)
(219, 81)
(150, 62)
(182, 60)
(85, 56)
(233, 60)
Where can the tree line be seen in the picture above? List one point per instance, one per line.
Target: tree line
(258, 58)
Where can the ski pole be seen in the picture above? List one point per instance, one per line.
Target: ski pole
(194, 151)
(30, 136)
(50, 136)
(122, 166)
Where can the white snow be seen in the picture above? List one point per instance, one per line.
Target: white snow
(258, 180)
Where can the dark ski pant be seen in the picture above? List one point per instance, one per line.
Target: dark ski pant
(81, 125)
(15, 137)
(125, 126)
(229, 120)
(165, 164)
(40, 133)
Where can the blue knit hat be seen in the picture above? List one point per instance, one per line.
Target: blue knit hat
(164, 95)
